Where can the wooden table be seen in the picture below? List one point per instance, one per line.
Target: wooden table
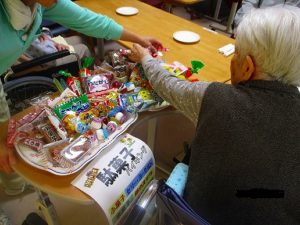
(57, 185)
(151, 21)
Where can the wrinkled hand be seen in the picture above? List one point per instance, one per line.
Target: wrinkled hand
(7, 159)
(138, 53)
(153, 44)
(60, 47)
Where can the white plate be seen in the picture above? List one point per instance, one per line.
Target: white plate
(186, 36)
(127, 11)
(40, 160)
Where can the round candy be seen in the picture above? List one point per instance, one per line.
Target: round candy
(116, 84)
(96, 123)
(100, 135)
(111, 127)
(121, 117)
(104, 120)
(81, 127)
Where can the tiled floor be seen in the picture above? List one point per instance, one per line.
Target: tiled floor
(20, 206)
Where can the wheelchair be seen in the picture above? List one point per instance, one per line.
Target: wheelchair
(20, 89)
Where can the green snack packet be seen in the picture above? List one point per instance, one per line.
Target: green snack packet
(196, 65)
(76, 105)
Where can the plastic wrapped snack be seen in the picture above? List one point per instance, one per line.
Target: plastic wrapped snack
(76, 114)
(64, 96)
(97, 82)
(78, 148)
(137, 101)
(53, 153)
(35, 130)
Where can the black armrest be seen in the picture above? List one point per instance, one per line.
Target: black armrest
(40, 60)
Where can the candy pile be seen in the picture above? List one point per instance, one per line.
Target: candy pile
(91, 108)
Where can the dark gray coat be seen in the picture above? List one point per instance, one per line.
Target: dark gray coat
(245, 162)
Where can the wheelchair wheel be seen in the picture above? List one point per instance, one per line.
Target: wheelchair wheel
(21, 90)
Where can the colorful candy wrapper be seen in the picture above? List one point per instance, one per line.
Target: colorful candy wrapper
(64, 96)
(97, 83)
(49, 132)
(137, 101)
(117, 58)
(11, 132)
(53, 152)
(138, 77)
(72, 82)
(78, 148)
(32, 143)
(75, 114)
(86, 63)
(57, 124)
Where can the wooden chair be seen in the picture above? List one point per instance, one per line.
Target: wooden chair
(169, 4)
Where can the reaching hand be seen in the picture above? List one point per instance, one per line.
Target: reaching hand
(7, 159)
(138, 53)
(153, 44)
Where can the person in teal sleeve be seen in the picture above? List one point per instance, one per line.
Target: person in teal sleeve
(20, 22)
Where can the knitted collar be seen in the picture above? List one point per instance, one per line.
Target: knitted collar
(272, 86)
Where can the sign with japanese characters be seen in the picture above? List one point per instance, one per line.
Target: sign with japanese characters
(118, 176)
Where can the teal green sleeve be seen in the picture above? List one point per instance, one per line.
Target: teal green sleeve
(71, 15)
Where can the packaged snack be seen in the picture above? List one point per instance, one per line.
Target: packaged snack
(137, 101)
(114, 111)
(49, 132)
(11, 132)
(57, 124)
(126, 87)
(64, 96)
(86, 63)
(100, 70)
(75, 114)
(40, 101)
(117, 58)
(72, 82)
(78, 148)
(33, 143)
(121, 73)
(96, 83)
(75, 85)
(53, 152)
(176, 68)
(138, 77)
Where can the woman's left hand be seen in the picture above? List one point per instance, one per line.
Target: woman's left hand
(151, 43)
(138, 53)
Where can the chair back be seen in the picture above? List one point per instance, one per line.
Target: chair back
(173, 209)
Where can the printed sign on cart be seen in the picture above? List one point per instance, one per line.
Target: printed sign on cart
(118, 176)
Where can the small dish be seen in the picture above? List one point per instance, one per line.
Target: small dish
(185, 36)
(127, 11)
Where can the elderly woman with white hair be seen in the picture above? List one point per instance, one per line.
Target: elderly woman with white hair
(245, 159)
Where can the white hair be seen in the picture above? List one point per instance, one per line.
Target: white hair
(271, 36)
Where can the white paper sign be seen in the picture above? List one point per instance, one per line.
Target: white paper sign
(118, 176)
